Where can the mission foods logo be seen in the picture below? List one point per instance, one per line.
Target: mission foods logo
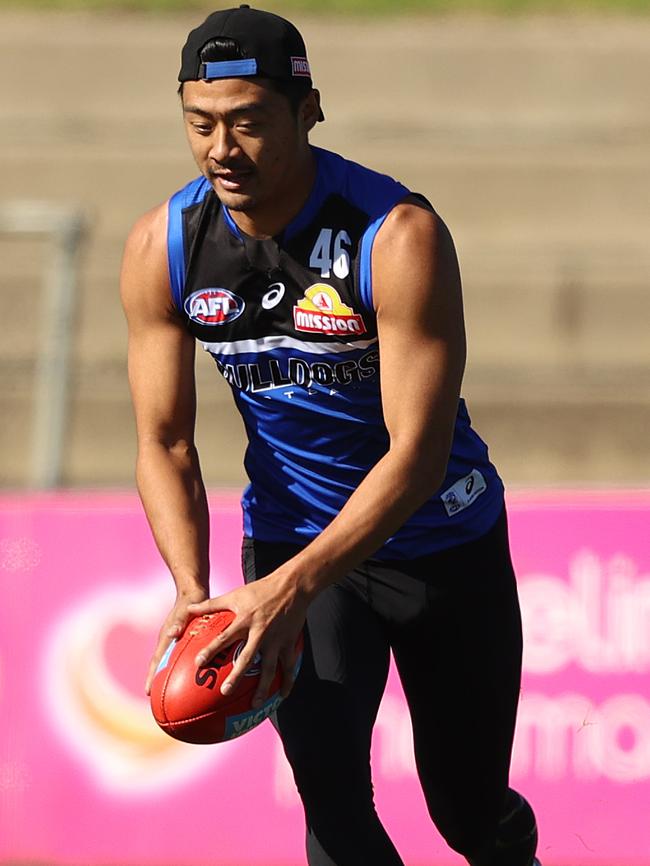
(300, 67)
(321, 311)
(214, 306)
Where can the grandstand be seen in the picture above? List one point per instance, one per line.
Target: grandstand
(531, 137)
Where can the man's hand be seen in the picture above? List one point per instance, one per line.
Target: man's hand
(269, 615)
(172, 628)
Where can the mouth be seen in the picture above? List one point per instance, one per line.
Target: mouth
(231, 181)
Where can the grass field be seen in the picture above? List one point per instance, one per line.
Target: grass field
(374, 7)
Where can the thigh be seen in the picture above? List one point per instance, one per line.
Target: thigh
(460, 665)
(326, 722)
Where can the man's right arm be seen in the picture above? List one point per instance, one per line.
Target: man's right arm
(161, 377)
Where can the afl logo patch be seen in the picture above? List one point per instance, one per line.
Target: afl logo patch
(214, 306)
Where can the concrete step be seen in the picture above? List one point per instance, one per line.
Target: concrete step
(528, 305)
(533, 441)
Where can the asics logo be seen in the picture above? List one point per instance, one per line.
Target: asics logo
(273, 296)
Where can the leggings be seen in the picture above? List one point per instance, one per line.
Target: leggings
(452, 622)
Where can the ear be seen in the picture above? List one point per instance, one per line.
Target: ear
(310, 110)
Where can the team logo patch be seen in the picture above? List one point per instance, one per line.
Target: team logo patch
(214, 306)
(322, 311)
(300, 67)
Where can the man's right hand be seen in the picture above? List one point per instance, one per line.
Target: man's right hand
(173, 627)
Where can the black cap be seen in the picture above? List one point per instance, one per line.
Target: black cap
(272, 47)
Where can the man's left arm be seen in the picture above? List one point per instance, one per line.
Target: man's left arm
(418, 299)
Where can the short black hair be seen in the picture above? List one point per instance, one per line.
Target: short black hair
(221, 48)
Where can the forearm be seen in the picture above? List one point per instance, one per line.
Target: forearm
(174, 499)
(391, 492)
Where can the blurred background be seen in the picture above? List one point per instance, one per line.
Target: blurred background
(527, 125)
(530, 133)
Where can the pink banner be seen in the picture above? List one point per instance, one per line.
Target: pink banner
(87, 778)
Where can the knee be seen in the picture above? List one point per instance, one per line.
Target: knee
(515, 841)
(324, 778)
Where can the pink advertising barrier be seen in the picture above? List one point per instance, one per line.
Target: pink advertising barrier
(87, 778)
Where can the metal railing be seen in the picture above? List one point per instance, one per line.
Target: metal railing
(65, 225)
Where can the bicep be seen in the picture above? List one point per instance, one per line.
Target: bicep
(421, 328)
(160, 349)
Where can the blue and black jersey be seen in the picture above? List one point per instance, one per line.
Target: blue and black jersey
(291, 325)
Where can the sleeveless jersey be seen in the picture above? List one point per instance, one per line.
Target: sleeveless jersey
(291, 326)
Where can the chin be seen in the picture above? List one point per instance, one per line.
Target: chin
(234, 200)
(239, 205)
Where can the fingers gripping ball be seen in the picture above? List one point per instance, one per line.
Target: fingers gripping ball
(187, 702)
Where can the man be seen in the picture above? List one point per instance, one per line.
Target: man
(329, 297)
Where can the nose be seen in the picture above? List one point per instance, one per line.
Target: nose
(222, 144)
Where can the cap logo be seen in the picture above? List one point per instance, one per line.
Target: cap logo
(300, 67)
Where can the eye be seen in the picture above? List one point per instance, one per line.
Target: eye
(249, 127)
(202, 128)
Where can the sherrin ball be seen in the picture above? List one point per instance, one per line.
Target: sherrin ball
(186, 700)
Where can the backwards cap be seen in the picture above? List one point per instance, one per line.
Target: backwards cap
(272, 47)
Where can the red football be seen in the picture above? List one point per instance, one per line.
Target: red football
(187, 702)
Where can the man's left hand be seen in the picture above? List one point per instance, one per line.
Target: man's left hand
(269, 616)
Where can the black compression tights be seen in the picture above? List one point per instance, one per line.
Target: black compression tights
(452, 621)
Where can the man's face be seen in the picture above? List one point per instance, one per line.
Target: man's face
(245, 140)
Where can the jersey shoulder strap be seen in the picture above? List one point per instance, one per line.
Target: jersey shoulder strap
(377, 194)
(189, 196)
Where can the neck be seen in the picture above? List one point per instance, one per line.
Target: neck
(269, 218)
